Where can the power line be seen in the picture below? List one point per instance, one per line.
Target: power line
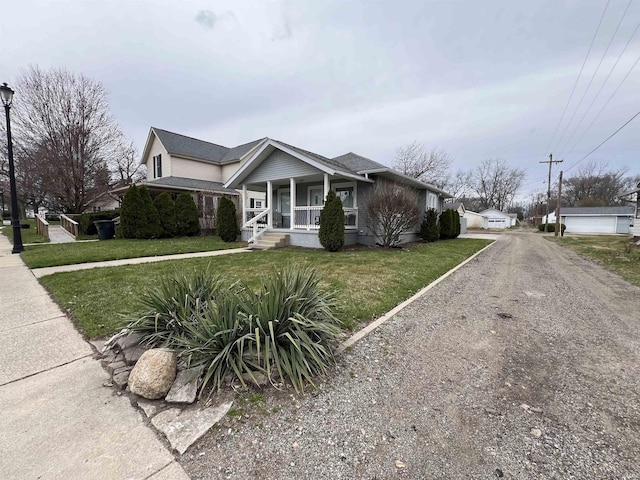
(605, 104)
(604, 141)
(593, 76)
(579, 75)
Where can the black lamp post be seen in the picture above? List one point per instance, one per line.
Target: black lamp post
(7, 97)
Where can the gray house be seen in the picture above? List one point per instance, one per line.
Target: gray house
(296, 182)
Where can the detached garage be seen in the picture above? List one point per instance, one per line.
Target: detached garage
(596, 219)
(495, 219)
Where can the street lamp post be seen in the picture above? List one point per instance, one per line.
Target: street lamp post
(7, 97)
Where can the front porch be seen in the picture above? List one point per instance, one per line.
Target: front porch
(294, 207)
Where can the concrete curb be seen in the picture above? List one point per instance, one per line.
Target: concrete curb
(391, 313)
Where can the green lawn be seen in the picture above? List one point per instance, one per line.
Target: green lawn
(29, 235)
(38, 256)
(616, 253)
(368, 282)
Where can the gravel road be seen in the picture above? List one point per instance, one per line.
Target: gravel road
(523, 364)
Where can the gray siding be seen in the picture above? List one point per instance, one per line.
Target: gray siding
(280, 165)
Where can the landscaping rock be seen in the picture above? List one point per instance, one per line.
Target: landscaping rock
(114, 366)
(149, 407)
(183, 428)
(185, 387)
(133, 354)
(127, 341)
(153, 375)
(120, 380)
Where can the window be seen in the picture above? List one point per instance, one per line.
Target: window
(432, 201)
(346, 194)
(157, 166)
(255, 203)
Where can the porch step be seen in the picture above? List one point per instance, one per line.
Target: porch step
(272, 240)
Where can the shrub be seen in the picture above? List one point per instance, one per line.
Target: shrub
(187, 222)
(130, 212)
(85, 221)
(331, 234)
(448, 227)
(149, 223)
(166, 209)
(551, 227)
(430, 228)
(392, 209)
(227, 220)
(285, 330)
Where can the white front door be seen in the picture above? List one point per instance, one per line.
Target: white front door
(315, 196)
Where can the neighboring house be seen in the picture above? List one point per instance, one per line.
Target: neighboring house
(595, 219)
(632, 197)
(295, 183)
(177, 163)
(276, 186)
(474, 220)
(104, 201)
(495, 219)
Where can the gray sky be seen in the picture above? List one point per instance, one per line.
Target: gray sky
(478, 79)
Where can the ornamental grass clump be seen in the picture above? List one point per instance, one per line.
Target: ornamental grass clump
(287, 330)
(175, 303)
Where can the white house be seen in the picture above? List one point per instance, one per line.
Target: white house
(595, 219)
(474, 220)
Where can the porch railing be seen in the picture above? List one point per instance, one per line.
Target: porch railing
(42, 226)
(69, 225)
(257, 222)
(308, 217)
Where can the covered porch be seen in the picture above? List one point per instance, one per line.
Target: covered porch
(294, 205)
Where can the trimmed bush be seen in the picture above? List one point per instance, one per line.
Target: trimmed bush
(331, 234)
(85, 221)
(187, 217)
(227, 220)
(149, 223)
(130, 212)
(166, 209)
(285, 330)
(551, 227)
(430, 228)
(448, 225)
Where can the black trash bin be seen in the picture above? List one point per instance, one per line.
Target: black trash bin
(106, 229)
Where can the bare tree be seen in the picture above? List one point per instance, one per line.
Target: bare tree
(459, 184)
(595, 186)
(392, 209)
(427, 166)
(496, 184)
(65, 118)
(127, 168)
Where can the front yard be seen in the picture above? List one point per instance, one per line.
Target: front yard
(368, 282)
(615, 253)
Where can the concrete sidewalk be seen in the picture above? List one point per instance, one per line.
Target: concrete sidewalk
(41, 272)
(58, 421)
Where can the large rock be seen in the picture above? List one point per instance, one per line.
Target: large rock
(154, 373)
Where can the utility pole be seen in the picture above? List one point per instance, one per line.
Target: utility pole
(551, 161)
(558, 222)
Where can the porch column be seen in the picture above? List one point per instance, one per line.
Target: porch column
(326, 187)
(244, 204)
(292, 202)
(269, 198)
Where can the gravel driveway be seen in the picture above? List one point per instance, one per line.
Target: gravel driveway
(523, 364)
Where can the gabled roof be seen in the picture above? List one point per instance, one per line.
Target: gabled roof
(454, 206)
(192, 184)
(236, 153)
(181, 145)
(616, 211)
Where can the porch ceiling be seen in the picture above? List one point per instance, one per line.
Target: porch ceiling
(316, 179)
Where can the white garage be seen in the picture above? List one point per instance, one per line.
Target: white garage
(495, 219)
(595, 219)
